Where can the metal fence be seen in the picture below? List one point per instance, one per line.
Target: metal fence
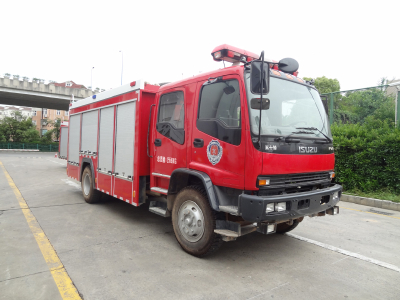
(27, 146)
(333, 100)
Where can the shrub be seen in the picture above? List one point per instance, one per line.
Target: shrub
(367, 155)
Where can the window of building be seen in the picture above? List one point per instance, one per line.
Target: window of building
(171, 117)
(34, 113)
(34, 122)
(219, 111)
(58, 112)
(44, 112)
(66, 113)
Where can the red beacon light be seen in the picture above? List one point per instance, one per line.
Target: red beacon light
(235, 55)
(232, 54)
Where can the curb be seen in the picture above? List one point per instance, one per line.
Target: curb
(385, 204)
(22, 150)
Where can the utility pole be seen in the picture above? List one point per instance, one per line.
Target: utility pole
(91, 79)
(122, 64)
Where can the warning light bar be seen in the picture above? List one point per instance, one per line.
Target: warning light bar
(232, 54)
(235, 55)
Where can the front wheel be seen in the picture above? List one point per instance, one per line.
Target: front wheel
(193, 221)
(90, 194)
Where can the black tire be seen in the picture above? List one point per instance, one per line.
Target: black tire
(90, 194)
(284, 227)
(206, 242)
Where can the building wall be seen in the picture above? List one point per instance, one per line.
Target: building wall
(6, 111)
(49, 114)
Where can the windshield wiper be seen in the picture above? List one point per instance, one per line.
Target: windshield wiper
(313, 128)
(287, 138)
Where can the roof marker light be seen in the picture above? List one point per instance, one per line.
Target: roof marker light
(133, 83)
(94, 97)
(276, 73)
(232, 54)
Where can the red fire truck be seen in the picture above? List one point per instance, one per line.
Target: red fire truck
(240, 149)
(63, 144)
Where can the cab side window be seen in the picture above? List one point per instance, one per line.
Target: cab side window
(171, 117)
(219, 111)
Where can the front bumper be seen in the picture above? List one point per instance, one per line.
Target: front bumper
(252, 208)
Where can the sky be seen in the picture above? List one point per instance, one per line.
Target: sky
(164, 41)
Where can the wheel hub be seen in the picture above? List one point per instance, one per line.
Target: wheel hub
(191, 221)
(86, 185)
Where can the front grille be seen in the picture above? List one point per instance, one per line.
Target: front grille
(298, 178)
(295, 180)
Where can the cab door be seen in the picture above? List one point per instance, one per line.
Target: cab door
(218, 146)
(169, 139)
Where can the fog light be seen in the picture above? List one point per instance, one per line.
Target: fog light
(271, 228)
(335, 210)
(270, 207)
(281, 206)
(335, 196)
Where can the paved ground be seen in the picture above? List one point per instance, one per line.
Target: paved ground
(113, 250)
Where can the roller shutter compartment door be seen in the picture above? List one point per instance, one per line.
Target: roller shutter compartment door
(64, 142)
(89, 131)
(74, 138)
(125, 139)
(106, 142)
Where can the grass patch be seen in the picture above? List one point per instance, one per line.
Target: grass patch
(382, 195)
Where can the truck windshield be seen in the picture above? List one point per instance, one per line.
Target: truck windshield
(292, 105)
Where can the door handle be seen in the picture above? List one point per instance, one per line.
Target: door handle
(198, 143)
(157, 142)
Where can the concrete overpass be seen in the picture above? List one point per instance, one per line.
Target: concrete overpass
(37, 94)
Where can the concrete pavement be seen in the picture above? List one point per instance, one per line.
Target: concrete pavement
(113, 250)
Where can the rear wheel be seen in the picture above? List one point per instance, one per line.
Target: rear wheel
(193, 221)
(284, 227)
(90, 194)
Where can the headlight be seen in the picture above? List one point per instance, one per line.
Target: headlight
(335, 196)
(281, 206)
(270, 207)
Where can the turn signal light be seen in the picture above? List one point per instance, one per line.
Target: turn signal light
(263, 182)
(332, 174)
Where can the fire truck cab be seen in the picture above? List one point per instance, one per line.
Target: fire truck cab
(209, 151)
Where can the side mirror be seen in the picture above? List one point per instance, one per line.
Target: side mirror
(255, 103)
(255, 77)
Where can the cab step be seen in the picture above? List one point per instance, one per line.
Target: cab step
(159, 208)
(230, 231)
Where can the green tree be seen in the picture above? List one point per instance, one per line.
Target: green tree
(356, 107)
(325, 85)
(54, 132)
(56, 129)
(47, 137)
(17, 128)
